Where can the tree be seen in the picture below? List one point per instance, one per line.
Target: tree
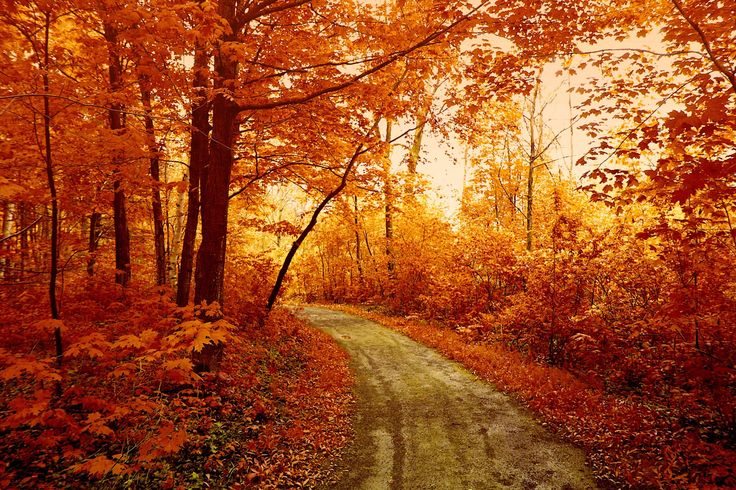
(34, 26)
(117, 125)
(155, 171)
(231, 102)
(198, 155)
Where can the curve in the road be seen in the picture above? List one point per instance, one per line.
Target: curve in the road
(424, 422)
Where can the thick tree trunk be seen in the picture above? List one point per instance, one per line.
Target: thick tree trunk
(158, 216)
(115, 113)
(209, 277)
(210, 271)
(198, 156)
(122, 235)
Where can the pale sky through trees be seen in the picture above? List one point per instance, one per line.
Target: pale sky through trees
(442, 161)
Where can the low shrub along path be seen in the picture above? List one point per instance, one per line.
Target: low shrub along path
(423, 421)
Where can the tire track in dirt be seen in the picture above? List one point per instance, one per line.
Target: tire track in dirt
(424, 422)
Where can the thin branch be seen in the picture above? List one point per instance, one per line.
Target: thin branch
(640, 50)
(706, 44)
(643, 121)
(86, 104)
(340, 86)
(3, 239)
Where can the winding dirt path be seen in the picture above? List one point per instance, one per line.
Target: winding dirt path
(424, 422)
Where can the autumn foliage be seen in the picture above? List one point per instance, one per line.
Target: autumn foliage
(617, 328)
(127, 408)
(598, 287)
(170, 170)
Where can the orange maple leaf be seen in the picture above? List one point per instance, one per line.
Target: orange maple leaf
(99, 466)
(165, 442)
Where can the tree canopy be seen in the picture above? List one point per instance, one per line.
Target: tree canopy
(171, 171)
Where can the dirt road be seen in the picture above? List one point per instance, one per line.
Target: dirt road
(424, 422)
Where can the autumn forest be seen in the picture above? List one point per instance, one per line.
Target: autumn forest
(541, 190)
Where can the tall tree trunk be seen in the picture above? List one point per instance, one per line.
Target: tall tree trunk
(209, 277)
(198, 156)
(44, 234)
(176, 233)
(115, 113)
(532, 165)
(52, 190)
(122, 235)
(388, 195)
(158, 217)
(8, 220)
(210, 273)
(358, 258)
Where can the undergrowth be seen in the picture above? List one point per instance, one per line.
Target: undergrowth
(126, 408)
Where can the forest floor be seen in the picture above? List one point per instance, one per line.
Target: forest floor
(423, 421)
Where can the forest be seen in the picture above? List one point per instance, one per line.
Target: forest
(174, 172)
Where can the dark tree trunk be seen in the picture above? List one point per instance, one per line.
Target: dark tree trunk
(115, 113)
(210, 271)
(52, 190)
(198, 155)
(209, 275)
(122, 236)
(158, 215)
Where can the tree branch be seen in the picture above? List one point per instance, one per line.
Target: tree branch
(5, 238)
(340, 86)
(706, 44)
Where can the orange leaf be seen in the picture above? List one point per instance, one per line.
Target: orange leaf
(165, 442)
(99, 466)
